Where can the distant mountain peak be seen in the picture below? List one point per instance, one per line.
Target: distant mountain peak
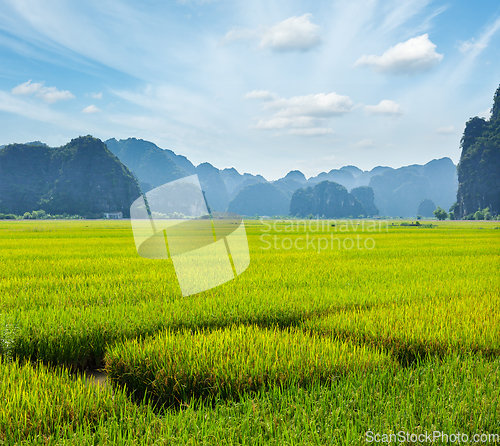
(296, 175)
(82, 177)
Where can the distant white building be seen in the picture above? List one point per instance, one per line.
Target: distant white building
(113, 215)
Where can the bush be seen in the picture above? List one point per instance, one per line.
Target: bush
(38, 214)
(440, 213)
(8, 217)
(482, 214)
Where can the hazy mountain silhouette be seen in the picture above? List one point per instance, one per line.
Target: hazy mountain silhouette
(155, 166)
(479, 166)
(325, 200)
(260, 199)
(82, 177)
(396, 192)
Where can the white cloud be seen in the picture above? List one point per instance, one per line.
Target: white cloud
(48, 94)
(445, 130)
(470, 45)
(314, 131)
(27, 88)
(51, 95)
(38, 111)
(277, 122)
(302, 115)
(410, 57)
(240, 34)
(477, 46)
(292, 34)
(96, 95)
(471, 50)
(91, 109)
(365, 143)
(385, 107)
(486, 114)
(318, 105)
(261, 94)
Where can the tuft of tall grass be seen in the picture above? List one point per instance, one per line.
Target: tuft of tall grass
(428, 327)
(175, 367)
(48, 404)
(456, 394)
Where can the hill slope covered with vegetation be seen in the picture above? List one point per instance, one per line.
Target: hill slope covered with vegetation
(82, 177)
(479, 166)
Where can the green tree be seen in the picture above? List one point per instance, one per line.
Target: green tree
(440, 213)
(482, 214)
(39, 214)
(454, 211)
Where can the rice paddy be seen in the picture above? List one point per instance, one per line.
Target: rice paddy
(334, 330)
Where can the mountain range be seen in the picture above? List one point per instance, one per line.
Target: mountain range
(397, 192)
(87, 176)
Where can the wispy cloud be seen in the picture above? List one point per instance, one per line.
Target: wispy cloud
(365, 143)
(445, 130)
(41, 112)
(485, 114)
(261, 94)
(399, 12)
(471, 45)
(384, 107)
(413, 56)
(48, 94)
(302, 115)
(477, 46)
(91, 109)
(318, 105)
(313, 131)
(471, 49)
(277, 122)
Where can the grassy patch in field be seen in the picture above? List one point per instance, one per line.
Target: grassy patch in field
(173, 367)
(455, 394)
(42, 403)
(428, 327)
(68, 289)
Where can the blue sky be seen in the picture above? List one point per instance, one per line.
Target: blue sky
(262, 86)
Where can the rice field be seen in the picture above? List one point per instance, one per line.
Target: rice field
(335, 329)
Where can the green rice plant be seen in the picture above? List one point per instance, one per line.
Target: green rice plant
(76, 286)
(456, 394)
(173, 368)
(70, 291)
(411, 330)
(49, 404)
